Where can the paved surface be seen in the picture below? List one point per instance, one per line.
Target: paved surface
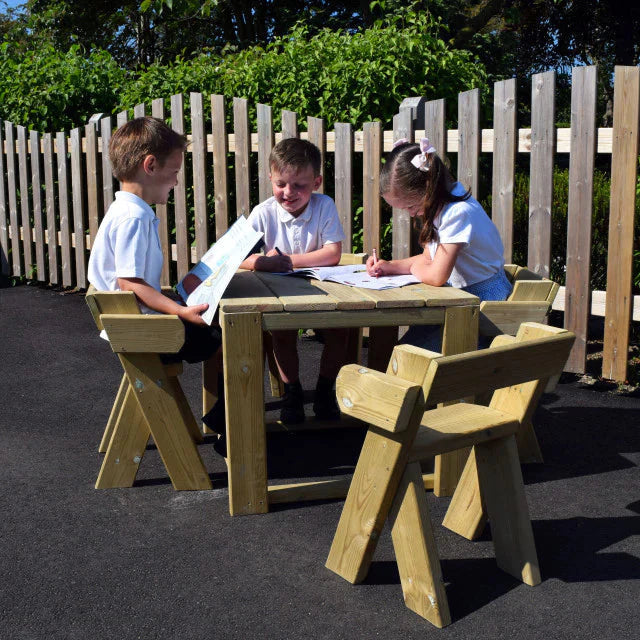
(149, 562)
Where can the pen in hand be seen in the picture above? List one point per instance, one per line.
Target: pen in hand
(278, 250)
(375, 257)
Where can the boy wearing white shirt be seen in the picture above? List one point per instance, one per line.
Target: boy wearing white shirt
(301, 229)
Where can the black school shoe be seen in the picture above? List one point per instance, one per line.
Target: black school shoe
(325, 405)
(215, 418)
(292, 406)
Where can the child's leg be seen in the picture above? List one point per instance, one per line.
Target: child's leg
(285, 348)
(333, 354)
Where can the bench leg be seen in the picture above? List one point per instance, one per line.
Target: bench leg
(126, 446)
(113, 416)
(466, 514)
(500, 477)
(416, 551)
(528, 446)
(156, 395)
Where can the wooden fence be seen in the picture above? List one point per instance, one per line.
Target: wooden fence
(56, 187)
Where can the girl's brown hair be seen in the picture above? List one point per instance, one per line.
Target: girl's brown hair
(398, 175)
(138, 138)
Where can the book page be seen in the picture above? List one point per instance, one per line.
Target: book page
(217, 266)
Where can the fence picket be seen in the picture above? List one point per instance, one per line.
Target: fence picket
(36, 190)
(626, 114)
(13, 198)
(504, 161)
(401, 238)
(317, 134)
(78, 208)
(157, 111)
(469, 138)
(289, 124)
(543, 142)
(372, 156)
(4, 219)
(183, 247)
(107, 174)
(199, 160)
(63, 208)
(242, 154)
(52, 231)
(138, 111)
(582, 160)
(220, 151)
(93, 179)
(25, 208)
(265, 144)
(122, 118)
(434, 123)
(344, 176)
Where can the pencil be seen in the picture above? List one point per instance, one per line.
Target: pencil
(375, 257)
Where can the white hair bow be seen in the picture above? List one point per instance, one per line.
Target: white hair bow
(419, 161)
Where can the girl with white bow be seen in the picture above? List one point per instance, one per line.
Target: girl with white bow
(461, 245)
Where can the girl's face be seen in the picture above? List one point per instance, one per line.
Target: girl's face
(410, 202)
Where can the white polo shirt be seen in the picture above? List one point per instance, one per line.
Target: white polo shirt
(127, 245)
(317, 225)
(482, 252)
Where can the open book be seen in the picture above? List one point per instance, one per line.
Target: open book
(354, 275)
(207, 281)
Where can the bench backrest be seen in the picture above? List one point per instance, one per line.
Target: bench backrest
(113, 302)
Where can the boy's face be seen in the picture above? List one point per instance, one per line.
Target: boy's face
(164, 177)
(293, 187)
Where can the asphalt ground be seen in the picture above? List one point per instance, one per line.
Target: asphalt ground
(150, 562)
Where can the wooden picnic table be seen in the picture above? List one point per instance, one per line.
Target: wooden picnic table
(257, 301)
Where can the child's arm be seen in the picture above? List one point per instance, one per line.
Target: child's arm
(328, 256)
(436, 272)
(400, 267)
(273, 261)
(159, 302)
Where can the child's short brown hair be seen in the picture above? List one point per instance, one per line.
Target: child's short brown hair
(296, 154)
(138, 138)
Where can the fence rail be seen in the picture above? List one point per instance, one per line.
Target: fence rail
(55, 188)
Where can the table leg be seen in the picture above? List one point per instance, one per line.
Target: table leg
(460, 334)
(244, 394)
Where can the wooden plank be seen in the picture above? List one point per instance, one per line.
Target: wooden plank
(621, 232)
(138, 111)
(244, 398)
(38, 222)
(107, 175)
(93, 181)
(121, 118)
(541, 183)
(497, 318)
(304, 491)
(344, 177)
(434, 119)
(297, 294)
(246, 292)
(376, 398)
(114, 415)
(157, 111)
(265, 144)
(289, 124)
(242, 154)
(14, 224)
(316, 133)
(531, 290)
(442, 296)
(199, 159)
(183, 244)
(52, 232)
(347, 297)
(25, 206)
(372, 156)
(63, 205)
(390, 298)
(4, 217)
(220, 151)
(469, 137)
(77, 187)
(401, 237)
(415, 549)
(504, 161)
(139, 333)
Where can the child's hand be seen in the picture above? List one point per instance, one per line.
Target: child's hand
(194, 314)
(273, 262)
(377, 268)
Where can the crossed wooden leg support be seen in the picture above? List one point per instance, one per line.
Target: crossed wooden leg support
(388, 483)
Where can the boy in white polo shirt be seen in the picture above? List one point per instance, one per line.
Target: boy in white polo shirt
(146, 156)
(304, 228)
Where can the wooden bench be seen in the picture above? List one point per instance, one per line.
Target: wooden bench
(150, 400)
(388, 482)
